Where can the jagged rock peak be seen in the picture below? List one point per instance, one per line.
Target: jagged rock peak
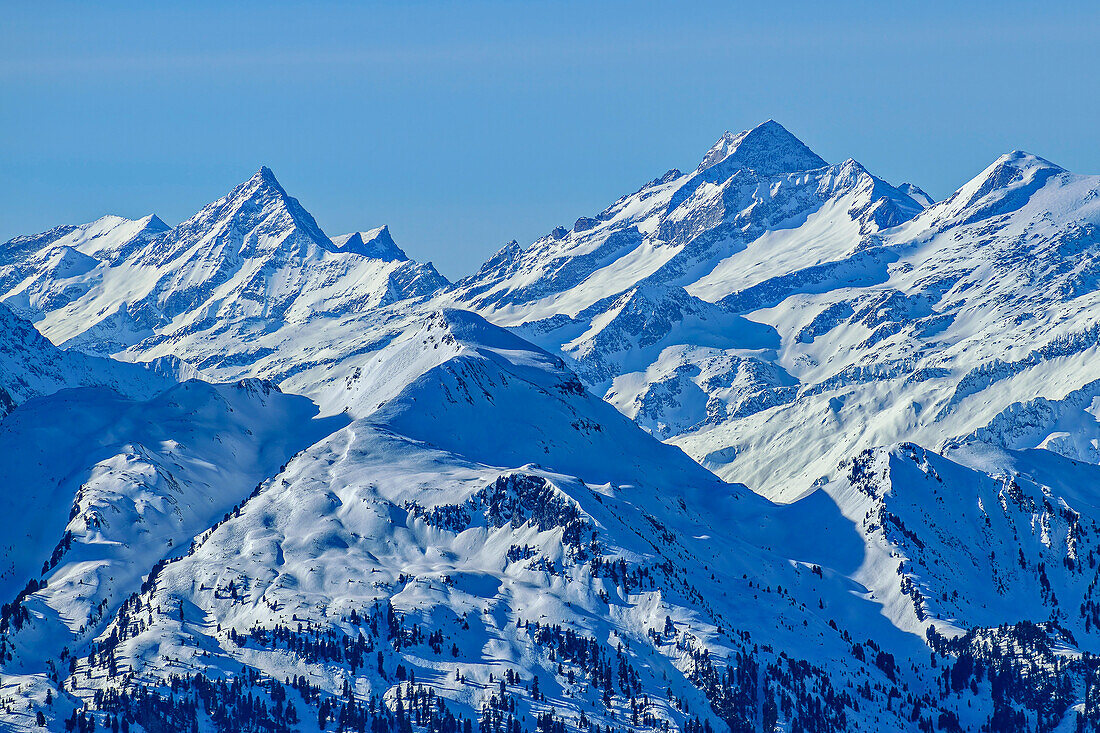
(262, 181)
(767, 148)
(260, 199)
(375, 243)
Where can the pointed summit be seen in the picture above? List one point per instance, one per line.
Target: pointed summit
(916, 193)
(154, 223)
(376, 243)
(768, 149)
(262, 180)
(258, 203)
(266, 177)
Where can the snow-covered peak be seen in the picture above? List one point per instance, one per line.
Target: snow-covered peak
(917, 194)
(375, 243)
(1023, 160)
(107, 238)
(260, 209)
(267, 176)
(108, 230)
(1014, 168)
(1004, 186)
(768, 149)
(251, 266)
(452, 369)
(153, 222)
(698, 231)
(263, 182)
(772, 321)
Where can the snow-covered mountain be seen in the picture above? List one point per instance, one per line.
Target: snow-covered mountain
(729, 309)
(653, 299)
(405, 553)
(396, 503)
(979, 314)
(31, 366)
(700, 231)
(244, 274)
(112, 485)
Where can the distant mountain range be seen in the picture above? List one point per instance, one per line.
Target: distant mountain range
(770, 445)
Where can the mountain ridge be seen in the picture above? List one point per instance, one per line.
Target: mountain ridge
(770, 445)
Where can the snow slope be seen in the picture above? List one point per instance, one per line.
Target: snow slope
(773, 318)
(412, 555)
(31, 366)
(984, 309)
(1013, 535)
(460, 531)
(110, 487)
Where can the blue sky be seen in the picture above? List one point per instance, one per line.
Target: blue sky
(465, 125)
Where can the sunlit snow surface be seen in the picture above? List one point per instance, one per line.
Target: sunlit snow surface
(295, 427)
